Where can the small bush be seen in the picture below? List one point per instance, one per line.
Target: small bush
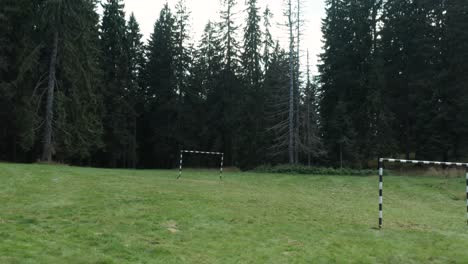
(301, 169)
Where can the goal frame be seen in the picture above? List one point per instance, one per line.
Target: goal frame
(423, 162)
(221, 154)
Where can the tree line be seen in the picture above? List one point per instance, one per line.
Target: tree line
(83, 88)
(393, 80)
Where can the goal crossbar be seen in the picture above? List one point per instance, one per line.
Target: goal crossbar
(201, 152)
(423, 162)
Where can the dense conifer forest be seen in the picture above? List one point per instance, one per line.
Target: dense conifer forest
(84, 88)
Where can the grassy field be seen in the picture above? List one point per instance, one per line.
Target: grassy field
(60, 214)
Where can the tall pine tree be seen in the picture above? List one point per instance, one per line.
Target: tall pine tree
(227, 109)
(136, 93)
(253, 117)
(161, 112)
(115, 68)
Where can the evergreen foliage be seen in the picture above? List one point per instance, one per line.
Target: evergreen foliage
(161, 112)
(115, 76)
(83, 89)
(252, 125)
(136, 94)
(78, 126)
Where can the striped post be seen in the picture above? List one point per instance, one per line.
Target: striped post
(467, 195)
(221, 168)
(180, 165)
(422, 162)
(380, 193)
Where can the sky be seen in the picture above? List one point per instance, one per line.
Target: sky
(147, 11)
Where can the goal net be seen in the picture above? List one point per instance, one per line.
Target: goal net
(219, 154)
(420, 162)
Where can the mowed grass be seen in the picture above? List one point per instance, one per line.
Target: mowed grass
(60, 214)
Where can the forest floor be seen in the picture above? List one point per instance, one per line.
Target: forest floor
(62, 214)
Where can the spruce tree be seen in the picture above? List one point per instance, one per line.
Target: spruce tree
(409, 52)
(312, 142)
(334, 78)
(115, 68)
(161, 111)
(251, 57)
(20, 79)
(447, 128)
(208, 59)
(268, 43)
(228, 31)
(182, 67)
(79, 102)
(379, 139)
(345, 70)
(206, 76)
(136, 93)
(68, 45)
(252, 117)
(228, 113)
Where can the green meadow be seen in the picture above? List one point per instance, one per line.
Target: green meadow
(62, 214)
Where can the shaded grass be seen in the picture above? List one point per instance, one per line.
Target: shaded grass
(60, 214)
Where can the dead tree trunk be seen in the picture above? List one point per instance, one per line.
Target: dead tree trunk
(291, 85)
(49, 113)
(298, 81)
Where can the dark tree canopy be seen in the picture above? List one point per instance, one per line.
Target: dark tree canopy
(85, 88)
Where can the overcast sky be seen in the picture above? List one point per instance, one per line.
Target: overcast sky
(147, 11)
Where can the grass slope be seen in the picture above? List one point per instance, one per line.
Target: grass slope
(59, 214)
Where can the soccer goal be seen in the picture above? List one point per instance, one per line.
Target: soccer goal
(220, 154)
(439, 163)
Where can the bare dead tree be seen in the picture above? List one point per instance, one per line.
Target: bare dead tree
(47, 141)
(291, 148)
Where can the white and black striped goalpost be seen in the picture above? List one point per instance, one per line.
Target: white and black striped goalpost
(380, 192)
(201, 152)
(440, 163)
